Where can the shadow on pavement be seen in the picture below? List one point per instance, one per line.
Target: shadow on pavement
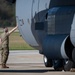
(27, 71)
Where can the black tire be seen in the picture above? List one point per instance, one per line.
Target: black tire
(47, 62)
(71, 63)
(58, 65)
(73, 55)
(68, 65)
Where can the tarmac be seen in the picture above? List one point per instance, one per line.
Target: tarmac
(28, 62)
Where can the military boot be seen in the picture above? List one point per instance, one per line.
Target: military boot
(4, 66)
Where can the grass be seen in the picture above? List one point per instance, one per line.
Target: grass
(16, 42)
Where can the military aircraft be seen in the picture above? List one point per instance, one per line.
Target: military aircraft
(49, 26)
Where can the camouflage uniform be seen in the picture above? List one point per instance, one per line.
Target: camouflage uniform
(4, 48)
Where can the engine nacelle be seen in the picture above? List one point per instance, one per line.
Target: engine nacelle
(58, 47)
(72, 37)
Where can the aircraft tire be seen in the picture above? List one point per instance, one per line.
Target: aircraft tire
(58, 65)
(73, 55)
(47, 62)
(68, 65)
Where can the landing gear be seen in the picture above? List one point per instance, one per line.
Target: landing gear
(58, 65)
(69, 65)
(47, 62)
(73, 55)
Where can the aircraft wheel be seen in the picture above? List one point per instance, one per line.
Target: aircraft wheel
(58, 65)
(47, 62)
(68, 65)
(73, 55)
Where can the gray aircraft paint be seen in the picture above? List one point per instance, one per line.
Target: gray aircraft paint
(72, 33)
(63, 53)
(24, 12)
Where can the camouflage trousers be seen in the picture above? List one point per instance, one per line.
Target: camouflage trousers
(4, 55)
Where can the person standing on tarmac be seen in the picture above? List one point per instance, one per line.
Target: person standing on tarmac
(5, 46)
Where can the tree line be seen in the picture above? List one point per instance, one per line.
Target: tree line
(7, 14)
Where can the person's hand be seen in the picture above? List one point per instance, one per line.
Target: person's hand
(16, 26)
